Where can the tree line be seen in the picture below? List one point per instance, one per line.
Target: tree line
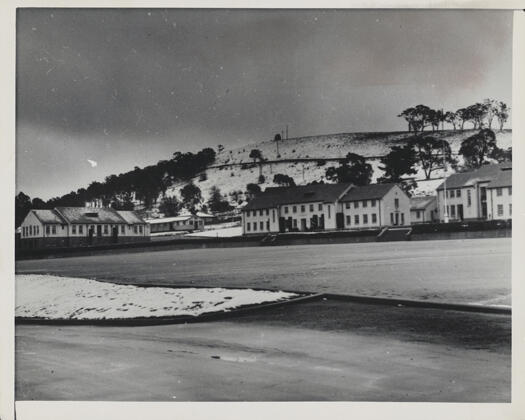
(119, 191)
(480, 115)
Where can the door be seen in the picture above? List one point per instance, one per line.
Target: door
(396, 219)
(99, 231)
(339, 220)
(90, 235)
(114, 234)
(303, 224)
(460, 212)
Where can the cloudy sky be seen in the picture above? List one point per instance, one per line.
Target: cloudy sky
(126, 88)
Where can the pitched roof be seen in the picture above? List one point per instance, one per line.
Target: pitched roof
(368, 192)
(48, 216)
(274, 196)
(90, 215)
(420, 203)
(503, 179)
(130, 217)
(482, 174)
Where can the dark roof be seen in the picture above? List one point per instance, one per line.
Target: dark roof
(48, 216)
(274, 196)
(81, 215)
(503, 179)
(420, 203)
(368, 192)
(130, 217)
(483, 174)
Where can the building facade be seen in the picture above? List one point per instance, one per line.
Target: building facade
(423, 209)
(325, 207)
(176, 224)
(482, 194)
(81, 226)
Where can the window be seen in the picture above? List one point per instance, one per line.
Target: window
(74, 229)
(329, 209)
(510, 210)
(396, 202)
(500, 209)
(294, 209)
(106, 229)
(356, 204)
(365, 203)
(402, 218)
(458, 193)
(53, 230)
(121, 228)
(267, 225)
(302, 208)
(134, 229)
(373, 203)
(261, 225)
(295, 223)
(248, 226)
(365, 219)
(254, 226)
(356, 219)
(320, 207)
(451, 193)
(453, 211)
(374, 218)
(499, 192)
(37, 229)
(446, 193)
(273, 216)
(140, 229)
(80, 229)
(286, 209)
(510, 190)
(469, 197)
(348, 220)
(418, 214)
(311, 207)
(267, 212)
(260, 212)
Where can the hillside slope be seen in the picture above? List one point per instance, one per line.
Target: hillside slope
(229, 173)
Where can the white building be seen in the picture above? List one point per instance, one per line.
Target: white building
(186, 223)
(326, 207)
(485, 193)
(80, 226)
(423, 209)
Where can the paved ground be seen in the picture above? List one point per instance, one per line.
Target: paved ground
(472, 270)
(324, 350)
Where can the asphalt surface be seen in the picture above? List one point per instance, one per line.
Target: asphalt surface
(464, 271)
(326, 350)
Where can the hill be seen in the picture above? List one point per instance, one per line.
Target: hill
(305, 159)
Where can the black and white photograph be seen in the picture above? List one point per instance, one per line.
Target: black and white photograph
(263, 205)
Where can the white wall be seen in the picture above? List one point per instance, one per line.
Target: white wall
(257, 217)
(504, 200)
(32, 227)
(388, 206)
(349, 209)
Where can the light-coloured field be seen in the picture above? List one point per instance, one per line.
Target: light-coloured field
(469, 271)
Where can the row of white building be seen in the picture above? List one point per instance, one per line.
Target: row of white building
(482, 194)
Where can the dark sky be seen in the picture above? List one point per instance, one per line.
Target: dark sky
(126, 88)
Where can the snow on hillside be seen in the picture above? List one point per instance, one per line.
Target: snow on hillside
(53, 297)
(371, 145)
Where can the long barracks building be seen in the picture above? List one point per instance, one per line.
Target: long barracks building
(324, 207)
(81, 226)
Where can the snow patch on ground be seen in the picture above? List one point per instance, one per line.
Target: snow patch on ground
(218, 233)
(54, 297)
